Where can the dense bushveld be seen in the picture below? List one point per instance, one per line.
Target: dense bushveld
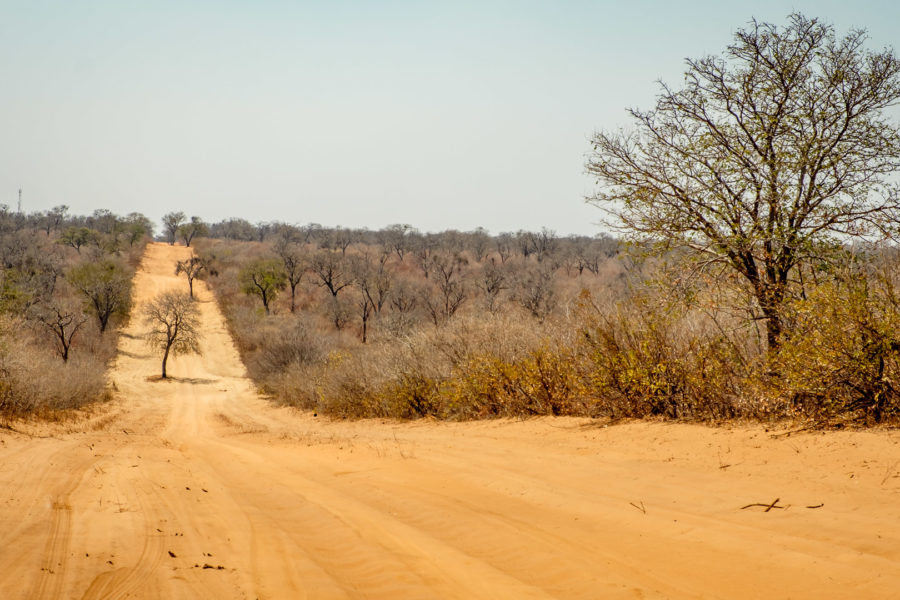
(65, 287)
(396, 323)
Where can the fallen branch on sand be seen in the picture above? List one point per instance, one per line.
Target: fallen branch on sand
(791, 432)
(768, 507)
(641, 507)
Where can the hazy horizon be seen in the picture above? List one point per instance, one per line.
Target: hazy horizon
(346, 114)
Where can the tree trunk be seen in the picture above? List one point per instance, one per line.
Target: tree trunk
(165, 358)
(774, 330)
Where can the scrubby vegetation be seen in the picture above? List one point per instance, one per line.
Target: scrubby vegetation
(396, 323)
(65, 285)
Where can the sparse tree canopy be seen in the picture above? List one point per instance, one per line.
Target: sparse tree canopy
(193, 268)
(195, 227)
(62, 321)
(332, 269)
(294, 262)
(172, 221)
(174, 322)
(264, 278)
(771, 150)
(449, 290)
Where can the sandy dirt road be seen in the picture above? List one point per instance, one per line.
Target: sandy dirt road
(196, 488)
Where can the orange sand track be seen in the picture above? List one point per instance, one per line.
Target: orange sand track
(196, 488)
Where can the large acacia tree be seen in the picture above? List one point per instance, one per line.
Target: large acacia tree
(770, 152)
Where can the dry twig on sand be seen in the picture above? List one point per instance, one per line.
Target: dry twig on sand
(768, 507)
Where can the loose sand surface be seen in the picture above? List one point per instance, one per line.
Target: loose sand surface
(197, 488)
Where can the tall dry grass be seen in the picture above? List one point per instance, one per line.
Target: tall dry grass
(33, 379)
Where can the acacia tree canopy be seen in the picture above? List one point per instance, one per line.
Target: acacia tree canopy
(774, 149)
(174, 325)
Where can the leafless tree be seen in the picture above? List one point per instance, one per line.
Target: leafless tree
(491, 283)
(504, 245)
(535, 291)
(523, 242)
(373, 283)
(423, 248)
(374, 280)
(449, 292)
(332, 269)
(338, 239)
(340, 311)
(295, 264)
(312, 233)
(398, 238)
(479, 242)
(62, 321)
(542, 242)
(54, 217)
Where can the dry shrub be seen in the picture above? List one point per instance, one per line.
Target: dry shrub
(545, 381)
(33, 379)
(648, 358)
(653, 338)
(842, 357)
(470, 368)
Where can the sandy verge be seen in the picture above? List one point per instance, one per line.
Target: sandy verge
(196, 488)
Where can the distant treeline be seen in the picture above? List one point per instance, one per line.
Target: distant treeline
(577, 252)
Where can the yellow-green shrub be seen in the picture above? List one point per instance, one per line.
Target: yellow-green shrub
(842, 356)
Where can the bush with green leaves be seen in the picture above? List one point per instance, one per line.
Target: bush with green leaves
(264, 278)
(106, 288)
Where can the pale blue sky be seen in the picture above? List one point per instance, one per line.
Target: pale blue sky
(362, 114)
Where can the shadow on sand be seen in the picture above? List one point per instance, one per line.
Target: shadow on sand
(190, 380)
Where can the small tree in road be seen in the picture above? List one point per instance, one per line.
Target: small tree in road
(264, 278)
(174, 322)
(195, 227)
(193, 268)
(172, 221)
